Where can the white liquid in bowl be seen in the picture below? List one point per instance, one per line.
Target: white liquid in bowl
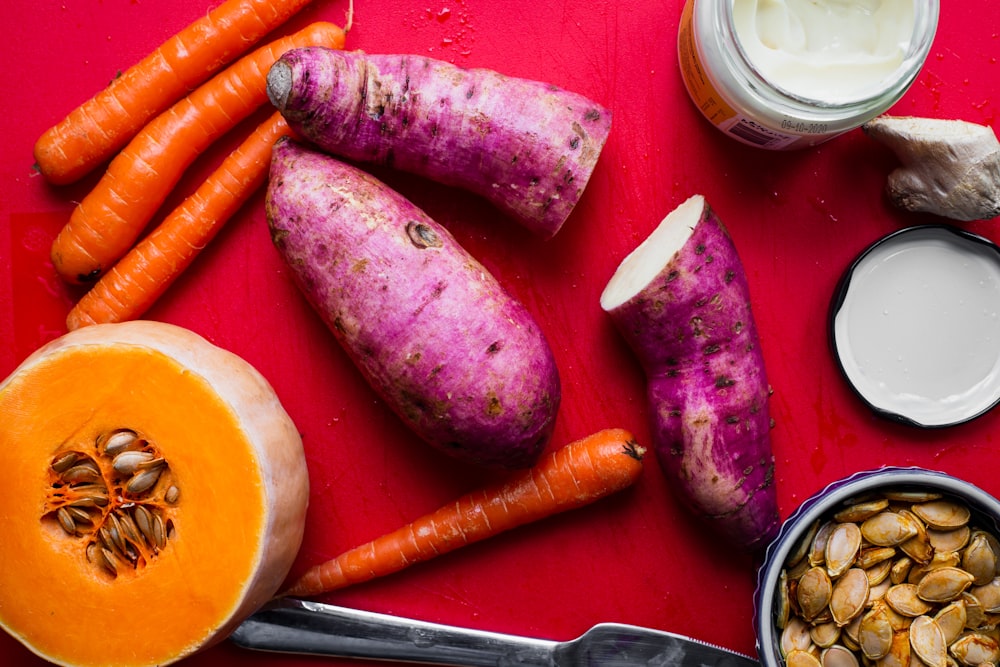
(918, 330)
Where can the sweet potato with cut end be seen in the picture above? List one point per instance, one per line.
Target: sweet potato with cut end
(526, 146)
(460, 360)
(682, 303)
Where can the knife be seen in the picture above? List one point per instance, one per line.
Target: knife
(300, 626)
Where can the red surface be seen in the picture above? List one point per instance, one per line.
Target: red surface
(797, 219)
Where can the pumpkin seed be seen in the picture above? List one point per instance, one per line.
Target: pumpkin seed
(824, 635)
(975, 648)
(942, 514)
(860, 511)
(888, 529)
(849, 595)
(143, 481)
(814, 592)
(66, 521)
(875, 633)
(85, 472)
(903, 599)
(944, 584)
(144, 522)
(128, 462)
(838, 656)
(899, 654)
(842, 548)
(800, 658)
(927, 641)
(949, 540)
(107, 560)
(951, 619)
(879, 573)
(979, 559)
(119, 441)
(795, 636)
(172, 494)
(801, 549)
(63, 462)
(817, 551)
(988, 595)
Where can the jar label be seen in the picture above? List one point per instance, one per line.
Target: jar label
(713, 105)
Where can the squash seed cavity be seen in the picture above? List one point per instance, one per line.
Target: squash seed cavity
(113, 497)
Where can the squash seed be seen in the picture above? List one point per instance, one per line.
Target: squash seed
(842, 548)
(824, 635)
(63, 462)
(904, 600)
(838, 656)
(795, 636)
(814, 592)
(128, 462)
(943, 584)
(800, 658)
(860, 511)
(942, 514)
(888, 529)
(66, 521)
(927, 642)
(849, 595)
(107, 560)
(143, 481)
(899, 654)
(975, 648)
(171, 495)
(875, 633)
(949, 540)
(120, 440)
(979, 559)
(988, 596)
(878, 573)
(951, 619)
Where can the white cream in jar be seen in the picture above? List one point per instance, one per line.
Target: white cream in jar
(835, 51)
(791, 73)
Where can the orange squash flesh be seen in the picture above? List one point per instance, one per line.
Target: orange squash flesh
(235, 527)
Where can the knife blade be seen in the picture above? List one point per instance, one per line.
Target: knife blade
(302, 626)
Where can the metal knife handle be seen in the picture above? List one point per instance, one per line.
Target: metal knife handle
(300, 626)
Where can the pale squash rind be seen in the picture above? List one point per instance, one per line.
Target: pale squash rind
(265, 423)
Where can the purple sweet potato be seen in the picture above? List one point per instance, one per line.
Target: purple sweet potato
(461, 361)
(526, 146)
(681, 302)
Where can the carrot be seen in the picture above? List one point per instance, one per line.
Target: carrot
(572, 476)
(134, 284)
(112, 216)
(98, 128)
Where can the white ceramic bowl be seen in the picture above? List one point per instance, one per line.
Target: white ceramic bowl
(985, 514)
(915, 326)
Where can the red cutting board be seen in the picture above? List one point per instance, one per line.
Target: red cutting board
(797, 219)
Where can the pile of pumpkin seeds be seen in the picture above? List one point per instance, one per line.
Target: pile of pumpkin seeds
(112, 496)
(900, 579)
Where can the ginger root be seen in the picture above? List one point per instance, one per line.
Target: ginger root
(950, 168)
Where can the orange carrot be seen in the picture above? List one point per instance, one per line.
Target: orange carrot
(134, 284)
(98, 128)
(110, 218)
(570, 477)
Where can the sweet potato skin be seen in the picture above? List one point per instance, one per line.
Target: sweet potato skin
(526, 146)
(693, 331)
(461, 361)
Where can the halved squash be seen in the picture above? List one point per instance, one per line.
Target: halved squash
(153, 493)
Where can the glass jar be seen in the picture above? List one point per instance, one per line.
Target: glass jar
(741, 99)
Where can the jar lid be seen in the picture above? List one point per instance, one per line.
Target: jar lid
(915, 326)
